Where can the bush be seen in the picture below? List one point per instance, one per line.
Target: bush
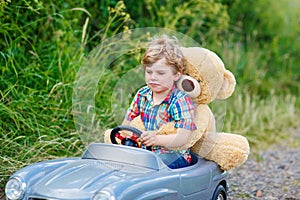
(203, 20)
(269, 28)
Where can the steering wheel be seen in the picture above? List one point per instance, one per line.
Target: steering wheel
(131, 141)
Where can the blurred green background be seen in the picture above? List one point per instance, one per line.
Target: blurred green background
(44, 43)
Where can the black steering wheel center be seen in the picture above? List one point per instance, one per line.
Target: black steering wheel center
(129, 142)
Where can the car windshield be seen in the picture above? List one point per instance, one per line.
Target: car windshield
(109, 78)
(106, 83)
(123, 154)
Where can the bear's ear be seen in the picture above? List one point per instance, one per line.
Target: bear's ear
(189, 85)
(228, 86)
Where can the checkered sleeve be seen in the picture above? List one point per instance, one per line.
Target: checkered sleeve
(183, 113)
(133, 111)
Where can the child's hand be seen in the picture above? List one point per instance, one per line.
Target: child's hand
(149, 138)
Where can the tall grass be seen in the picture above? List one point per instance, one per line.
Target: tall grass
(264, 106)
(263, 121)
(41, 48)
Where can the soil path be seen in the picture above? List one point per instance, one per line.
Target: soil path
(275, 177)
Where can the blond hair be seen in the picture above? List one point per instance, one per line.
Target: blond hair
(164, 47)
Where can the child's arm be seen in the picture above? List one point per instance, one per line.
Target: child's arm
(125, 122)
(149, 138)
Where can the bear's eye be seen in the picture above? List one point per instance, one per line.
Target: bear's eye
(188, 85)
(198, 80)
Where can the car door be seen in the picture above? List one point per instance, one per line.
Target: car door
(195, 180)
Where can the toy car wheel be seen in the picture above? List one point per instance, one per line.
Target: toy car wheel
(220, 193)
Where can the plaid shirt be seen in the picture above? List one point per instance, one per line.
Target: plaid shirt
(177, 106)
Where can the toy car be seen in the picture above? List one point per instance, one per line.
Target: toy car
(117, 172)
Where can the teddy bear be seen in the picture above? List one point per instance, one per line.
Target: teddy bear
(206, 79)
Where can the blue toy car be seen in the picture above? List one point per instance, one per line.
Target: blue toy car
(117, 172)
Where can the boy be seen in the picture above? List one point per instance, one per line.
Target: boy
(160, 102)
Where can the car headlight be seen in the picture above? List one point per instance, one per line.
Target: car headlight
(15, 189)
(104, 195)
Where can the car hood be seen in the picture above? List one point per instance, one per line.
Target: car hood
(84, 177)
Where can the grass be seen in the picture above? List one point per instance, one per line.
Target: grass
(263, 121)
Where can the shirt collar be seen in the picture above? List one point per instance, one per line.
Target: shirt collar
(167, 99)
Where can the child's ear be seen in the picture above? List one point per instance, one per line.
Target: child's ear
(177, 76)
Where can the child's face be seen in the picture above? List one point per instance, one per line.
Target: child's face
(160, 77)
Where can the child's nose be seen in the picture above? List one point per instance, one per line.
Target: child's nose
(153, 76)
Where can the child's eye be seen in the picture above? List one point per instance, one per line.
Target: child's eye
(161, 72)
(148, 72)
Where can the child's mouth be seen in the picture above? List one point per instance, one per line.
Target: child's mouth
(153, 84)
